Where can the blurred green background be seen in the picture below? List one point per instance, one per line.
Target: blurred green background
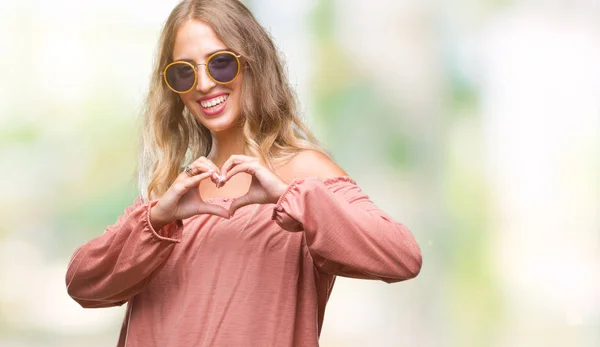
(475, 123)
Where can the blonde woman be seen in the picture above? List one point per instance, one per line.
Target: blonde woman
(242, 246)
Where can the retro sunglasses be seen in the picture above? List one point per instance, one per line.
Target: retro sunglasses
(222, 67)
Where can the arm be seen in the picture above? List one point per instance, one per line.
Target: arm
(116, 265)
(346, 233)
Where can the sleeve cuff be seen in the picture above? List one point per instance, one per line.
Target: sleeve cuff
(171, 232)
(280, 216)
(291, 187)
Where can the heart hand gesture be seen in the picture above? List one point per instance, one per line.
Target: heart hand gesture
(182, 200)
(266, 187)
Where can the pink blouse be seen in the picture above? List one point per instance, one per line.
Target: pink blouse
(261, 278)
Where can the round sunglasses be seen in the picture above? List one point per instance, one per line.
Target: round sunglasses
(222, 67)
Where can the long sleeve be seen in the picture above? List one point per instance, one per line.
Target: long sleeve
(111, 268)
(345, 232)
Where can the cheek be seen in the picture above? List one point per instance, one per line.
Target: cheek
(186, 98)
(189, 102)
(237, 94)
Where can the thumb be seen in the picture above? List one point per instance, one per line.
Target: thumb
(214, 209)
(239, 202)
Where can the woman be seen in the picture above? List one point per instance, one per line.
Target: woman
(242, 247)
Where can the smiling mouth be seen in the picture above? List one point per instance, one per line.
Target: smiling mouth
(214, 103)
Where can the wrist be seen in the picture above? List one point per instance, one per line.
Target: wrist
(156, 220)
(280, 191)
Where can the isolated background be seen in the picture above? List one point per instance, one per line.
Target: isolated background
(475, 123)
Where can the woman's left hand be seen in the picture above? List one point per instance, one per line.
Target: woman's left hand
(266, 187)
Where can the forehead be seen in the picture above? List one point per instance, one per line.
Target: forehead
(196, 40)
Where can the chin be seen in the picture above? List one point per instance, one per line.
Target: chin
(223, 122)
(216, 127)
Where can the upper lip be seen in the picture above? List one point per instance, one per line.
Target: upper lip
(204, 98)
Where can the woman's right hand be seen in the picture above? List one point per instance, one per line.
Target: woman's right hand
(182, 200)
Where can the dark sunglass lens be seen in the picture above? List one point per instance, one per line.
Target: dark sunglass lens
(180, 77)
(223, 67)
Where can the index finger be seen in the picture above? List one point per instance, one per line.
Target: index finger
(234, 160)
(208, 162)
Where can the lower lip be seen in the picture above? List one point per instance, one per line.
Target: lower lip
(214, 111)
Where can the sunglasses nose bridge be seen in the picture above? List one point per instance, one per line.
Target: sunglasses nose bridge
(204, 82)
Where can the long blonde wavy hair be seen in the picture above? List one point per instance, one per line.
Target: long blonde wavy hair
(172, 136)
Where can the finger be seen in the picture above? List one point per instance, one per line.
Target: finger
(198, 167)
(226, 165)
(214, 209)
(208, 163)
(234, 160)
(249, 168)
(216, 177)
(185, 183)
(239, 202)
(195, 180)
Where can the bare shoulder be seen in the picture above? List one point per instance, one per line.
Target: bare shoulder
(310, 163)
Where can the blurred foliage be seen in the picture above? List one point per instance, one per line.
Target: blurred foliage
(347, 103)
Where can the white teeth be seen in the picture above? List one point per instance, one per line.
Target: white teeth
(214, 101)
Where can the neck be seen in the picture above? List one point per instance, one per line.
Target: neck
(226, 143)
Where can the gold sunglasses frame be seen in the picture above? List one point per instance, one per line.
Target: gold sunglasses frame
(236, 56)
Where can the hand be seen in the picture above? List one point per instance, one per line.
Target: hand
(266, 187)
(182, 200)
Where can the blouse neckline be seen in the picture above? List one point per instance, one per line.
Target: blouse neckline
(328, 181)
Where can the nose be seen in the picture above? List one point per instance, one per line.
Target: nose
(205, 83)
